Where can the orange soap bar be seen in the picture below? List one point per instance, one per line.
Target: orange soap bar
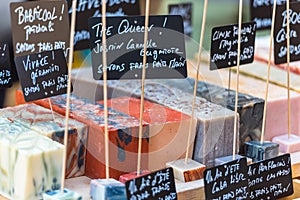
(168, 129)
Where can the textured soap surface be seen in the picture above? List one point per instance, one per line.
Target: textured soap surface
(250, 108)
(132, 175)
(258, 151)
(167, 129)
(58, 195)
(103, 189)
(186, 172)
(123, 136)
(23, 150)
(287, 144)
(41, 120)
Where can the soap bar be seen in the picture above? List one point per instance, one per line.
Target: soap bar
(58, 195)
(167, 129)
(126, 177)
(41, 120)
(287, 144)
(250, 108)
(186, 172)
(123, 136)
(103, 189)
(258, 151)
(30, 163)
(226, 159)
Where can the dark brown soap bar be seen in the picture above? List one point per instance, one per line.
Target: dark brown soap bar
(250, 108)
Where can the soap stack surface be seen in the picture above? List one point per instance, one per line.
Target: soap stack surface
(30, 163)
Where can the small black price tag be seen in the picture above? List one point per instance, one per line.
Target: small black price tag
(158, 185)
(280, 33)
(5, 67)
(87, 9)
(271, 179)
(227, 181)
(224, 43)
(43, 74)
(125, 41)
(39, 26)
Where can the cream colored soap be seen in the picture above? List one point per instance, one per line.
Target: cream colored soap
(30, 163)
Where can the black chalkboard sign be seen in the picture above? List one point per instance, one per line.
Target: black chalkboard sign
(224, 43)
(271, 179)
(227, 181)
(158, 185)
(39, 26)
(87, 9)
(5, 67)
(125, 40)
(261, 12)
(185, 10)
(280, 46)
(43, 74)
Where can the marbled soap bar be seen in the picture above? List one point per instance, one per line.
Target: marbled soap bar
(126, 177)
(58, 195)
(103, 189)
(123, 136)
(41, 120)
(250, 108)
(258, 151)
(30, 163)
(167, 129)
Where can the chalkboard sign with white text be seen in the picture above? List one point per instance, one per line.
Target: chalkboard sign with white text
(185, 10)
(224, 43)
(158, 185)
(280, 33)
(271, 179)
(86, 9)
(261, 12)
(39, 26)
(125, 47)
(227, 181)
(5, 67)
(43, 74)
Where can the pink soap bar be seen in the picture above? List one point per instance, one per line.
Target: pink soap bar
(167, 129)
(126, 177)
(287, 144)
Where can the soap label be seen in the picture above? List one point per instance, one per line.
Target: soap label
(43, 74)
(86, 9)
(185, 10)
(39, 26)
(271, 179)
(125, 47)
(227, 181)
(280, 33)
(157, 185)
(224, 44)
(5, 67)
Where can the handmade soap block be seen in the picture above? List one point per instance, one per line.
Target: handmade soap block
(123, 136)
(167, 129)
(226, 159)
(58, 195)
(102, 189)
(41, 120)
(30, 163)
(261, 151)
(186, 172)
(287, 144)
(126, 177)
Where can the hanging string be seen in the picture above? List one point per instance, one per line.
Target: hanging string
(237, 81)
(143, 87)
(70, 63)
(196, 81)
(104, 62)
(268, 78)
(288, 65)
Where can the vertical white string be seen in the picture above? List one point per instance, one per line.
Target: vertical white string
(51, 108)
(70, 63)
(288, 65)
(196, 80)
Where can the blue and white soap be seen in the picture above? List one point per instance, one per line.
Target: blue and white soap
(58, 195)
(30, 163)
(103, 189)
